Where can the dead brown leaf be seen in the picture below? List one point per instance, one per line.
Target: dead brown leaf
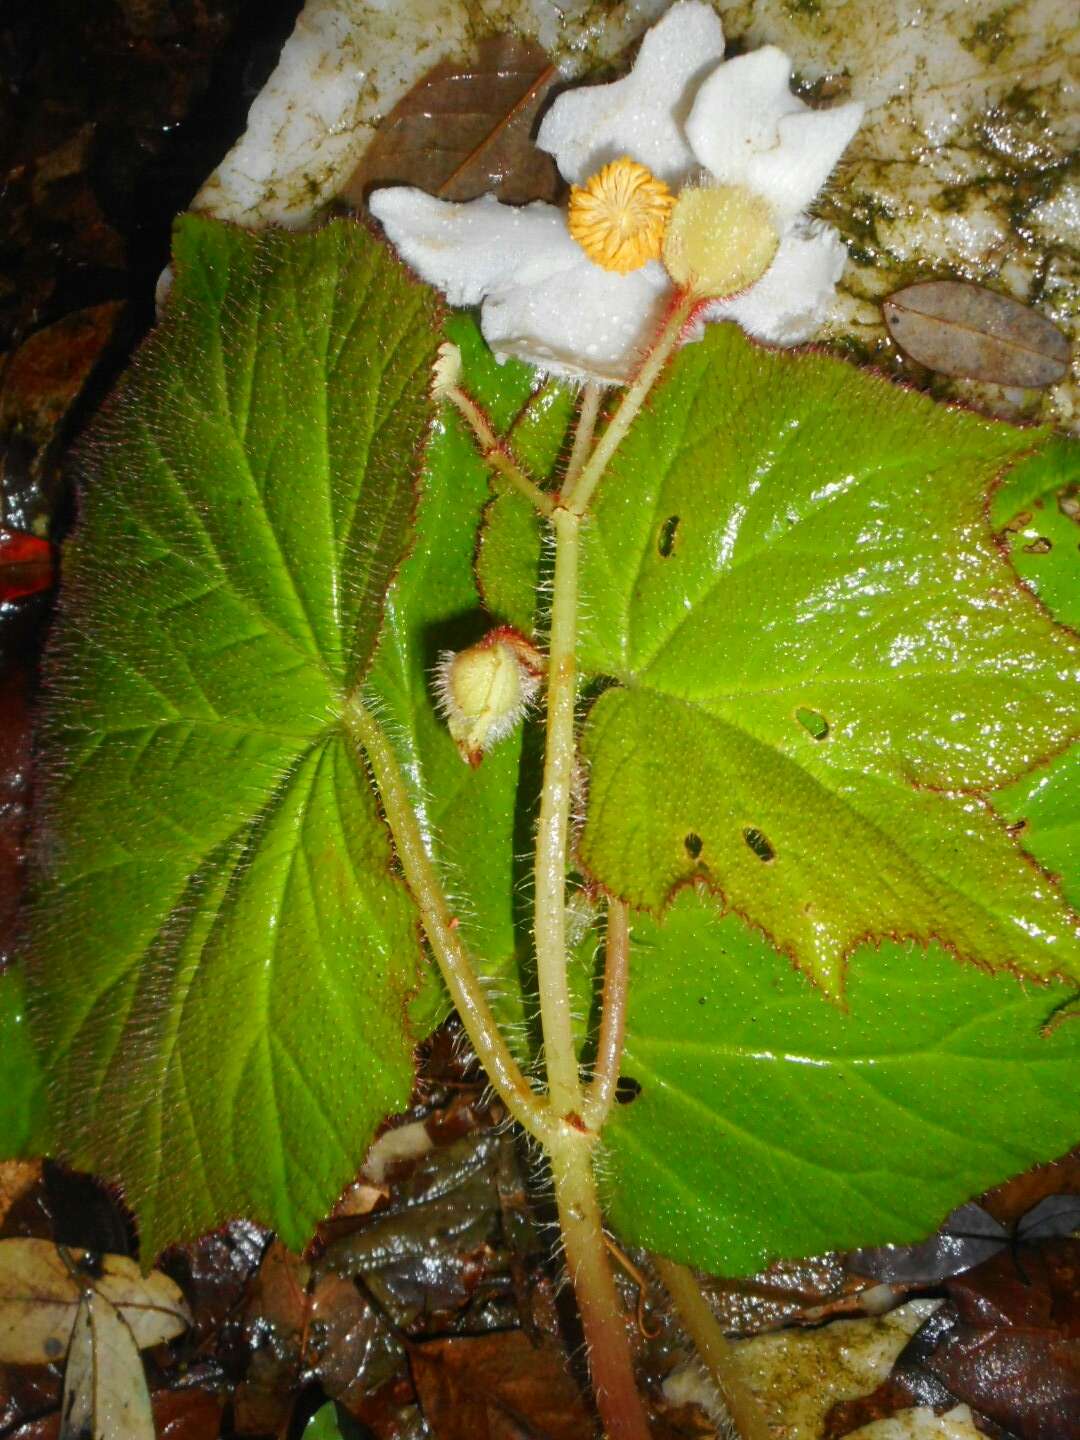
(968, 331)
(187, 1414)
(1006, 1343)
(499, 1386)
(17, 1177)
(178, 1415)
(1009, 1201)
(42, 1289)
(465, 130)
(275, 1332)
(48, 372)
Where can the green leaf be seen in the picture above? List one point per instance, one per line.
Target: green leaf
(790, 574)
(770, 1123)
(222, 955)
(22, 1094)
(331, 1422)
(1046, 807)
(1038, 512)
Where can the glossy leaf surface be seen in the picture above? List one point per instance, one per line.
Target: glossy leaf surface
(223, 955)
(1046, 807)
(1038, 512)
(772, 1123)
(791, 574)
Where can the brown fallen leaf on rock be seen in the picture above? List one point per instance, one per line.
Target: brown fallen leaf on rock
(465, 130)
(965, 330)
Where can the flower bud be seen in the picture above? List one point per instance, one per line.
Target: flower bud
(720, 239)
(484, 691)
(446, 374)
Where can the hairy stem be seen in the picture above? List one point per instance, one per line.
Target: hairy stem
(571, 1148)
(552, 841)
(577, 496)
(591, 396)
(503, 1071)
(715, 1349)
(560, 1055)
(610, 1367)
(609, 1047)
(497, 452)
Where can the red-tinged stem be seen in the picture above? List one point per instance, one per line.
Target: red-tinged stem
(610, 1368)
(496, 452)
(571, 1148)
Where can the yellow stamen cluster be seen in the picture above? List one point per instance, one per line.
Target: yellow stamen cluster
(619, 216)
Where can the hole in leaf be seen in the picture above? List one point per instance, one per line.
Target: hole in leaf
(758, 844)
(1039, 546)
(694, 845)
(627, 1089)
(813, 721)
(90, 1264)
(666, 541)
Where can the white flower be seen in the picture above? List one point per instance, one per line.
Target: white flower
(681, 111)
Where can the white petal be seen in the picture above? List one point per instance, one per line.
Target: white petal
(747, 128)
(810, 145)
(738, 111)
(585, 322)
(469, 250)
(792, 297)
(643, 114)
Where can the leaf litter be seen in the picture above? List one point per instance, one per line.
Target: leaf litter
(105, 1394)
(42, 1287)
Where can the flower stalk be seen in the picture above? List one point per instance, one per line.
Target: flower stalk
(495, 452)
(520, 1099)
(577, 492)
(569, 1119)
(553, 833)
(571, 1151)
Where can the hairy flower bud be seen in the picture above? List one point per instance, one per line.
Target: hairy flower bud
(720, 239)
(484, 691)
(446, 374)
